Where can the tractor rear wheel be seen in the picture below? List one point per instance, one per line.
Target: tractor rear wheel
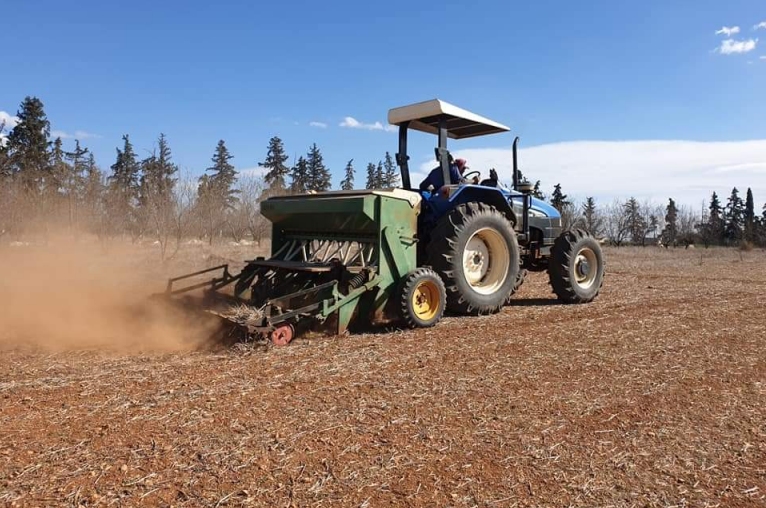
(422, 298)
(576, 267)
(475, 250)
(520, 278)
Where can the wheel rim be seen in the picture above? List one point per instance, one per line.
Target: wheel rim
(585, 267)
(485, 261)
(425, 300)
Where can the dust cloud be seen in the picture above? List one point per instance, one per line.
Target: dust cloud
(68, 295)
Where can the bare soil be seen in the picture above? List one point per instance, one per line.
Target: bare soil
(654, 395)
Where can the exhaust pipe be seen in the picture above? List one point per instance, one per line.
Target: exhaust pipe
(515, 166)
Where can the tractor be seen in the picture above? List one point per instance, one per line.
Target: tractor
(347, 260)
(483, 238)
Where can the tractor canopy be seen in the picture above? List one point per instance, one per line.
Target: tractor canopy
(460, 123)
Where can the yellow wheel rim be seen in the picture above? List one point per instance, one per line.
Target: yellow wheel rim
(425, 300)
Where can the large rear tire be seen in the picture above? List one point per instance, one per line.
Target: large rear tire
(576, 267)
(520, 278)
(475, 251)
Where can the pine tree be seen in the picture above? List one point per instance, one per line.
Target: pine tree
(59, 168)
(299, 175)
(220, 185)
(27, 145)
(734, 218)
(591, 221)
(158, 170)
(714, 228)
(670, 234)
(379, 176)
(93, 185)
(371, 176)
(319, 177)
(126, 173)
(635, 221)
(73, 181)
(749, 218)
(390, 174)
(275, 163)
(537, 192)
(348, 181)
(558, 198)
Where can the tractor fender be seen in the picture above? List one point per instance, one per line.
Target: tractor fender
(483, 194)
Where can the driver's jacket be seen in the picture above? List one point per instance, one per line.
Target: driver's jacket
(435, 177)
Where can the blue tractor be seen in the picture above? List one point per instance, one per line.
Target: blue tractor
(481, 237)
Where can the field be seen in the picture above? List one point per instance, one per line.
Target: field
(654, 395)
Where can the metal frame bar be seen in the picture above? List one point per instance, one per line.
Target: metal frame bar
(402, 158)
(225, 279)
(443, 155)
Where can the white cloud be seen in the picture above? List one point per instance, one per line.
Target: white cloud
(11, 121)
(321, 125)
(7, 122)
(353, 123)
(760, 25)
(728, 31)
(688, 171)
(256, 171)
(730, 46)
(76, 135)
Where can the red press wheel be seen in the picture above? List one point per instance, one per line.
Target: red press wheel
(282, 335)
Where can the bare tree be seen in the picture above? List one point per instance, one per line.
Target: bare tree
(170, 218)
(653, 217)
(616, 222)
(688, 225)
(570, 216)
(247, 218)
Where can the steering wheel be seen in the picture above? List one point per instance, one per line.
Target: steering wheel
(476, 178)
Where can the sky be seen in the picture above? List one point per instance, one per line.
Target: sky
(651, 99)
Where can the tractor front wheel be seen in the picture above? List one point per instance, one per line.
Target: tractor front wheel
(476, 252)
(422, 298)
(576, 267)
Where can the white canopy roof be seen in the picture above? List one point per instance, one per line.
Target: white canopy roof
(424, 116)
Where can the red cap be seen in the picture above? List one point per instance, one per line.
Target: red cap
(460, 163)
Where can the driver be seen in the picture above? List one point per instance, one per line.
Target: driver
(435, 180)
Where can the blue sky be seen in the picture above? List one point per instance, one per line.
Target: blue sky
(563, 75)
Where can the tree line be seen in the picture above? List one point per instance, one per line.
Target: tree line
(310, 174)
(631, 222)
(44, 187)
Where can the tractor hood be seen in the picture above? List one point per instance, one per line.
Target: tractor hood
(540, 206)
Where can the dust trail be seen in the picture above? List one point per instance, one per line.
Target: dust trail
(70, 296)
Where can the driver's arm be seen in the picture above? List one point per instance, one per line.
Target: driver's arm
(455, 175)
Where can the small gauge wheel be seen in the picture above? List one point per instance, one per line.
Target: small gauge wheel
(282, 335)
